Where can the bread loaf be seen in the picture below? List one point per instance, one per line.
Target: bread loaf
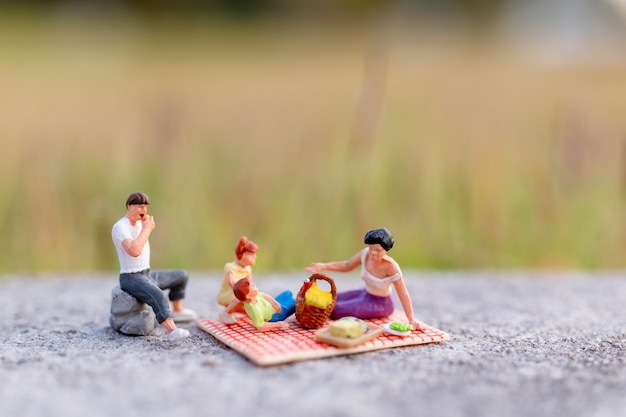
(347, 328)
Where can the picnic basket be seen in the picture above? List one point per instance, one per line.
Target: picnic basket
(313, 316)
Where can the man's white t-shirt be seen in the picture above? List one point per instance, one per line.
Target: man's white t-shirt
(121, 231)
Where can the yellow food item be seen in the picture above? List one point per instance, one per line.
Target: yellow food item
(347, 328)
(317, 297)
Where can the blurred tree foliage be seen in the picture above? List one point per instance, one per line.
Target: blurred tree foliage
(476, 11)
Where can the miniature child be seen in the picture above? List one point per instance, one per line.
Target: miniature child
(241, 268)
(378, 272)
(130, 236)
(258, 306)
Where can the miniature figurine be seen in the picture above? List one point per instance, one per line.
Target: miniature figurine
(258, 306)
(245, 252)
(130, 236)
(378, 272)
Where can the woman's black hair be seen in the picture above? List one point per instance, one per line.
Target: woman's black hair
(380, 236)
(137, 198)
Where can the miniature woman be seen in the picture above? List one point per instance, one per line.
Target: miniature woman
(259, 306)
(245, 251)
(379, 272)
(241, 268)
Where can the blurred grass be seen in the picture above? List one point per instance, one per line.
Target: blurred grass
(303, 138)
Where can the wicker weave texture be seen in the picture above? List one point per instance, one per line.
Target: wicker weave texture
(313, 317)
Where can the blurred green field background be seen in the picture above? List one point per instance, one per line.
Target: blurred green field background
(303, 137)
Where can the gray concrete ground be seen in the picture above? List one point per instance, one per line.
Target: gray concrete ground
(522, 344)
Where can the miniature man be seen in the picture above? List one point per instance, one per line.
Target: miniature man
(130, 236)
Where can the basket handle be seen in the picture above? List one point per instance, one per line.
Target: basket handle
(333, 288)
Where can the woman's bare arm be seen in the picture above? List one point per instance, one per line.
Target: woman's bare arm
(339, 266)
(405, 300)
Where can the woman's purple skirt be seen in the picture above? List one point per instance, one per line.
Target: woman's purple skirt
(362, 305)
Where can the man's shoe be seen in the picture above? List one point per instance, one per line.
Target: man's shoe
(178, 335)
(184, 315)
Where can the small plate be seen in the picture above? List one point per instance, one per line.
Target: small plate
(323, 335)
(389, 330)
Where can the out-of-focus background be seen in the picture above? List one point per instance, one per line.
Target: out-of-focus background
(482, 133)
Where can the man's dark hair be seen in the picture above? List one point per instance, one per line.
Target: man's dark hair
(379, 236)
(137, 198)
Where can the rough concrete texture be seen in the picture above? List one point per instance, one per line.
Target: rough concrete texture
(522, 344)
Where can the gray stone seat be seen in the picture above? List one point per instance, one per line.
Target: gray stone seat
(131, 316)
